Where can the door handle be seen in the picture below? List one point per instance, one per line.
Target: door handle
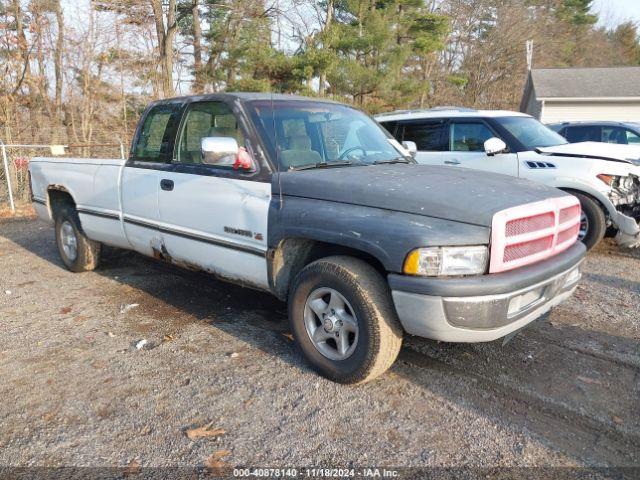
(452, 162)
(166, 184)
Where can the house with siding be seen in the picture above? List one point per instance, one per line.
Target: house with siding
(583, 94)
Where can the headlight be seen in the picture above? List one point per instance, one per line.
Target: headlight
(447, 261)
(626, 183)
(608, 179)
(615, 181)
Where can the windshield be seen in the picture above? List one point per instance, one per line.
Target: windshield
(531, 133)
(303, 134)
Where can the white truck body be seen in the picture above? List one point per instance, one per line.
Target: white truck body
(105, 190)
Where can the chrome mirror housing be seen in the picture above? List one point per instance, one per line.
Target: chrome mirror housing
(219, 151)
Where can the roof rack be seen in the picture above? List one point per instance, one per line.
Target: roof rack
(433, 109)
(449, 108)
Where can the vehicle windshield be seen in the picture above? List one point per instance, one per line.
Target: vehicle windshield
(531, 133)
(308, 134)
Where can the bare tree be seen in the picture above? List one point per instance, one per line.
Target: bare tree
(198, 83)
(166, 31)
(58, 58)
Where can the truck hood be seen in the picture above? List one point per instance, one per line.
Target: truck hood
(456, 194)
(596, 150)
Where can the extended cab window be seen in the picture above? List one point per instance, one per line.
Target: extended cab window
(468, 136)
(428, 135)
(207, 119)
(156, 139)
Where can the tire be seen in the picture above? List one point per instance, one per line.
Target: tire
(596, 222)
(367, 305)
(87, 252)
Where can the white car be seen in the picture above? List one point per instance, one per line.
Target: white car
(604, 177)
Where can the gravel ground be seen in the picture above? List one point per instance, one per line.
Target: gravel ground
(77, 392)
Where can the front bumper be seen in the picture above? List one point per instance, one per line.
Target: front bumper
(481, 309)
(628, 231)
(625, 213)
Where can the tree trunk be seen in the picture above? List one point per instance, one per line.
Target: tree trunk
(26, 77)
(58, 67)
(327, 24)
(198, 83)
(166, 33)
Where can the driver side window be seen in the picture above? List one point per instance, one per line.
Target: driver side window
(207, 119)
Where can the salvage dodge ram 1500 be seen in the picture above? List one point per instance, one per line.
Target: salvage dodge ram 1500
(314, 202)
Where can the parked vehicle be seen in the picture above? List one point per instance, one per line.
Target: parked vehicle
(314, 202)
(605, 178)
(621, 133)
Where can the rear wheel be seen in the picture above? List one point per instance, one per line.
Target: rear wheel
(77, 251)
(343, 319)
(593, 223)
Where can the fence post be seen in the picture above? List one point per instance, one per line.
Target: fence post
(8, 175)
(121, 151)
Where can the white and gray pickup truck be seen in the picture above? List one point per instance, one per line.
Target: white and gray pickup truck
(313, 201)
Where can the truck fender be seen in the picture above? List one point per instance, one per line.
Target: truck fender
(52, 198)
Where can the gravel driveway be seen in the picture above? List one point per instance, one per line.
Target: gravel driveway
(76, 390)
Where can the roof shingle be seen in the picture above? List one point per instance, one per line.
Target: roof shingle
(586, 82)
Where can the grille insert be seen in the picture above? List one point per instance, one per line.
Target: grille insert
(527, 249)
(533, 232)
(521, 226)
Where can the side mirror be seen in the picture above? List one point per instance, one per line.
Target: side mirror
(225, 152)
(411, 147)
(494, 146)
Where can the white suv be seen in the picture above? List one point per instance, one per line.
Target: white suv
(605, 177)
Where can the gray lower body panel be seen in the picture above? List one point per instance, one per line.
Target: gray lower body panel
(482, 318)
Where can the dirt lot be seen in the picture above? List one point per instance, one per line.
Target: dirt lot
(76, 392)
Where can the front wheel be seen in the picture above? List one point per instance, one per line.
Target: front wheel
(78, 252)
(593, 223)
(343, 319)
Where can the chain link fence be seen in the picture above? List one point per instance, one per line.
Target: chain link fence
(14, 166)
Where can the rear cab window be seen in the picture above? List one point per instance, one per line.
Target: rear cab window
(156, 138)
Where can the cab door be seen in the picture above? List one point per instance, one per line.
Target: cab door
(214, 217)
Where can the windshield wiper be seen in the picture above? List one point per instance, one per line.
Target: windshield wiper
(392, 161)
(335, 163)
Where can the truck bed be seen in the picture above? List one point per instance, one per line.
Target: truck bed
(93, 183)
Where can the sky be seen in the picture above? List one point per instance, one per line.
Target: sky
(615, 12)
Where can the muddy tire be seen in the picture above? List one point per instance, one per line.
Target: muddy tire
(343, 319)
(78, 253)
(593, 224)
